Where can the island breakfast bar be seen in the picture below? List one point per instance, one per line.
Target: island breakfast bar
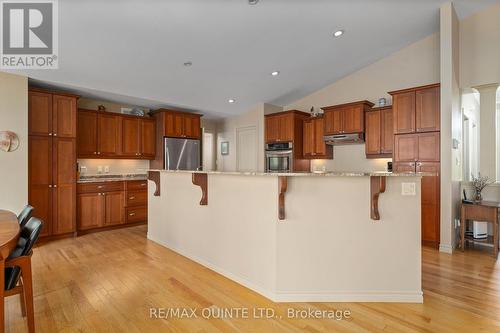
(326, 237)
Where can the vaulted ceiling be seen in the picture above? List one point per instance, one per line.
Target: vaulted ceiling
(134, 51)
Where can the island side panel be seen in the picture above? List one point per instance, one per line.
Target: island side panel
(330, 250)
(235, 234)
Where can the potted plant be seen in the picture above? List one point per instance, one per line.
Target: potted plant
(479, 184)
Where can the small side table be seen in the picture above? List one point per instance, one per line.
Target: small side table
(486, 211)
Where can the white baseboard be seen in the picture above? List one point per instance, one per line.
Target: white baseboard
(446, 248)
(314, 296)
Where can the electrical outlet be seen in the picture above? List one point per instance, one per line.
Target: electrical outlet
(408, 189)
(83, 169)
(106, 169)
(99, 169)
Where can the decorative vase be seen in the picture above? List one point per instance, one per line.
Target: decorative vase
(478, 197)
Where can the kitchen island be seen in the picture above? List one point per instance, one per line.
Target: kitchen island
(328, 237)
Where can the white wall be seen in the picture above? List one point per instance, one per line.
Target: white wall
(480, 48)
(451, 126)
(14, 165)
(226, 131)
(417, 64)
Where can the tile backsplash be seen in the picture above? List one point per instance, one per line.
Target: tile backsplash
(90, 167)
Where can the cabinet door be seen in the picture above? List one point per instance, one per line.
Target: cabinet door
(39, 113)
(64, 116)
(87, 134)
(430, 202)
(373, 135)
(115, 208)
(108, 134)
(404, 112)
(406, 148)
(334, 123)
(428, 109)
(354, 119)
(308, 138)
(64, 173)
(192, 126)
(91, 210)
(40, 179)
(319, 131)
(272, 129)
(148, 138)
(131, 138)
(387, 135)
(285, 132)
(174, 125)
(428, 147)
(403, 167)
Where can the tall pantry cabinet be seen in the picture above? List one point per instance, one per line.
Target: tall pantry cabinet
(52, 131)
(416, 119)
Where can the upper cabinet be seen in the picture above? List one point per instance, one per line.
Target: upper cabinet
(379, 136)
(346, 118)
(417, 147)
(280, 127)
(416, 109)
(51, 114)
(181, 124)
(314, 146)
(113, 135)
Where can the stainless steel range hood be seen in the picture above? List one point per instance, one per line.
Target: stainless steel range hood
(344, 139)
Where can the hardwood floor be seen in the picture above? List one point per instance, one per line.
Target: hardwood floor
(108, 281)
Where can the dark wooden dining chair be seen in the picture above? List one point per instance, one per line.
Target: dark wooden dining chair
(25, 215)
(18, 277)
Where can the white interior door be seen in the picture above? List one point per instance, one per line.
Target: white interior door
(246, 148)
(208, 151)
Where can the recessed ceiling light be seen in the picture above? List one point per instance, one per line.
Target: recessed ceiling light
(188, 63)
(253, 2)
(231, 100)
(275, 73)
(338, 33)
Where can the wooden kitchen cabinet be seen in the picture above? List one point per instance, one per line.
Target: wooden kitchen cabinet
(423, 147)
(52, 160)
(114, 212)
(181, 124)
(109, 132)
(430, 203)
(314, 146)
(91, 211)
(373, 133)
(279, 127)
(112, 135)
(346, 118)
(416, 109)
(387, 131)
(427, 107)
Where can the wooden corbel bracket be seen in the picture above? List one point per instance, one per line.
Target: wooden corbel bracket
(201, 180)
(282, 187)
(154, 176)
(377, 186)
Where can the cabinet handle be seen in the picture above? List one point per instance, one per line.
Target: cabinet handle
(131, 214)
(131, 198)
(95, 153)
(50, 186)
(54, 186)
(143, 184)
(98, 153)
(100, 186)
(55, 134)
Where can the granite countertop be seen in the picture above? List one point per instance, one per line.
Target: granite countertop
(308, 174)
(111, 178)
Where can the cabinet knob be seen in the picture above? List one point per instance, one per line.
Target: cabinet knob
(50, 134)
(55, 134)
(54, 186)
(100, 186)
(50, 186)
(98, 153)
(95, 153)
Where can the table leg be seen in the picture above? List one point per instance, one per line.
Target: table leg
(495, 235)
(2, 300)
(462, 229)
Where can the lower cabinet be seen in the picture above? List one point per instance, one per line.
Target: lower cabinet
(111, 204)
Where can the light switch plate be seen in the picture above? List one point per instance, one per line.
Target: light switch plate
(408, 189)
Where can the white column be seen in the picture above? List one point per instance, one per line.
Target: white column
(487, 133)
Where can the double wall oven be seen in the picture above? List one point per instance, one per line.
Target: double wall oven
(279, 157)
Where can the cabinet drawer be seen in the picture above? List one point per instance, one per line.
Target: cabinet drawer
(479, 213)
(134, 185)
(100, 187)
(137, 198)
(137, 214)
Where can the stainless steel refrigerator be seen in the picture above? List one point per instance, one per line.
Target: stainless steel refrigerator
(182, 154)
